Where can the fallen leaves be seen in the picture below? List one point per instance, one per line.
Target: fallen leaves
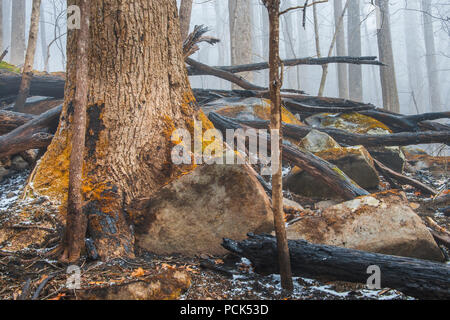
(138, 273)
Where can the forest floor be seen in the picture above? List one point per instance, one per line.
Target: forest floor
(223, 278)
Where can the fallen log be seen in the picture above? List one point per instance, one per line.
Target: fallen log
(355, 139)
(315, 166)
(417, 278)
(401, 123)
(387, 172)
(35, 134)
(10, 120)
(292, 63)
(46, 86)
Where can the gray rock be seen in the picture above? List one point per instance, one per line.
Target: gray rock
(19, 164)
(381, 223)
(317, 141)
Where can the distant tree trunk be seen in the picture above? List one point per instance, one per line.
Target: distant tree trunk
(241, 35)
(265, 40)
(374, 75)
(76, 221)
(18, 32)
(289, 26)
(221, 46)
(330, 51)
(433, 76)
(185, 17)
(139, 94)
(302, 72)
(340, 51)
(43, 38)
(27, 73)
(354, 50)
(387, 74)
(275, 83)
(415, 72)
(1, 26)
(318, 51)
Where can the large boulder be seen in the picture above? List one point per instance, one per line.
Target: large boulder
(194, 213)
(381, 223)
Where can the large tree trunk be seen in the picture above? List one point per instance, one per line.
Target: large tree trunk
(241, 34)
(18, 32)
(387, 74)
(185, 17)
(138, 94)
(354, 49)
(433, 79)
(340, 51)
(27, 72)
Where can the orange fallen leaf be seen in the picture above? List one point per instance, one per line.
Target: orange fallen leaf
(58, 297)
(414, 205)
(139, 272)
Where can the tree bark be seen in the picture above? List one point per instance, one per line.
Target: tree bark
(18, 32)
(76, 221)
(241, 34)
(387, 74)
(275, 83)
(27, 72)
(416, 278)
(340, 50)
(354, 49)
(433, 76)
(185, 17)
(138, 94)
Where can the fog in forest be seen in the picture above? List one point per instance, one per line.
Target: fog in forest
(408, 42)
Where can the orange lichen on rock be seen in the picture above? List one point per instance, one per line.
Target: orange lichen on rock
(354, 122)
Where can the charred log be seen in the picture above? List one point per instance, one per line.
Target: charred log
(355, 139)
(292, 63)
(35, 134)
(10, 120)
(416, 278)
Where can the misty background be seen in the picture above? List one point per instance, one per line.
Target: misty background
(408, 42)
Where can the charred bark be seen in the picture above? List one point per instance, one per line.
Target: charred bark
(35, 134)
(416, 278)
(355, 139)
(10, 120)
